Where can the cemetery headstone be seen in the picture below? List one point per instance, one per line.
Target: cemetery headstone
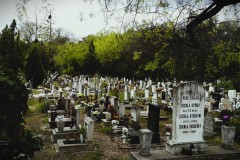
(232, 94)
(153, 121)
(89, 124)
(187, 117)
(145, 142)
(226, 104)
(121, 110)
(208, 125)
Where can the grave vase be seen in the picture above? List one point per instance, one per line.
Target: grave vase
(145, 142)
(60, 125)
(228, 134)
(81, 138)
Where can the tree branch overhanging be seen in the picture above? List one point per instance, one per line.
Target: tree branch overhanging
(209, 12)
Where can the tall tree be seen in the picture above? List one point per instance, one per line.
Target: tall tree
(91, 64)
(14, 99)
(11, 50)
(34, 67)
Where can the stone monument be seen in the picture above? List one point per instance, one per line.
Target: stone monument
(187, 117)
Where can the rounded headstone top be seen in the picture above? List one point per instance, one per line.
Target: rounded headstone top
(145, 130)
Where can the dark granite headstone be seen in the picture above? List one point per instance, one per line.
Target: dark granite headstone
(163, 95)
(217, 97)
(153, 122)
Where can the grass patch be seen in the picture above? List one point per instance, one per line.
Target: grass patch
(106, 130)
(94, 155)
(217, 140)
(36, 91)
(33, 102)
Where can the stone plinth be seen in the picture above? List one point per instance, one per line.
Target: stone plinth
(228, 134)
(67, 132)
(72, 145)
(176, 148)
(213, 152)
(145, 142)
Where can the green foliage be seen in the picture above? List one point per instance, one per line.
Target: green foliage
(34, 67)
(91, 64)
(70, 57)
(45, 105)
(13, 100)
(13, 107)
(94, 155)
(160, 52)
(26, 144)
(106, 130)
(216, 140)
(11, 51)
(225, 83)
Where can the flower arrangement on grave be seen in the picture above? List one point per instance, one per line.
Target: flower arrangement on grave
(82, 130)
(226, 117)
(228, 131)
(83, 133)
(168, 129)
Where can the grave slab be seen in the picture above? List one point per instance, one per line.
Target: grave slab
(212, 152)
(63, 146)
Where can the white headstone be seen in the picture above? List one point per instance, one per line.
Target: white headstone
(154, 98)
(133, 94)
(121, 110)
(146, 94)
(89, 124)
(126, 96)
(232, 94)
(154, 89)
(77, 109)
(141, 84)
(188, 112)
(135, 113)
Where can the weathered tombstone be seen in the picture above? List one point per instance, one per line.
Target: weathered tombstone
(133, 94)
(126, 94)
(208, 125)
(154, 98)
(154, 89)
(53, 89)
(135, 113)
(140, 84)
(80, 86)
(187, 117)
(113, 101)
(232, 94)
(226, 104)
(144, 113)
(89, 124)
(145, 142)
(84, 91)
(77, 109)
(121, 110)
(146, 94)
(153, 121)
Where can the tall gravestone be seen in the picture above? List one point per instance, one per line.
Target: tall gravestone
(187, 117)
(208, 125)
(153, 121)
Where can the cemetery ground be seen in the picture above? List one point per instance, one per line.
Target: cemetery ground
(107, 145)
